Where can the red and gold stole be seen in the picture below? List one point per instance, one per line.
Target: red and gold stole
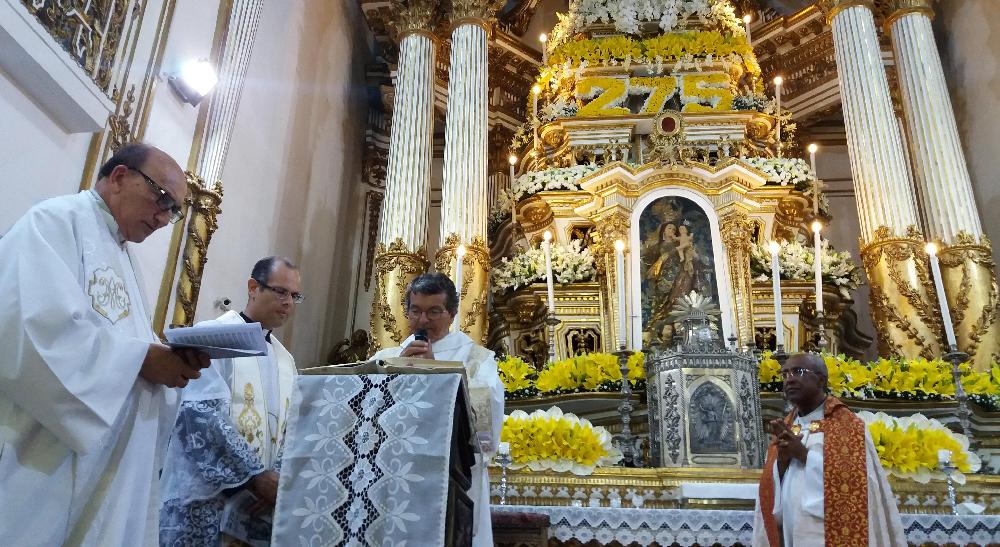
(845, 479)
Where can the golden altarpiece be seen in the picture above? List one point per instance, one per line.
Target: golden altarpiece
(669, 137)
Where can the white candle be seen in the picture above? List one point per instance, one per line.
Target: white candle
(547, 247)
(949, 330)
(535, 91)
(545, 51)
(459, 256)
(818, 263)
(620, 276)
(513, 198)
(812, 163)
(777, 112)
(779, 330)
(746, 21)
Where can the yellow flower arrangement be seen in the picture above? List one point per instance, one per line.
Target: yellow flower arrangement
(908, 447)
(561, 442)
(517, 376)
(611, 92)
(589, 372)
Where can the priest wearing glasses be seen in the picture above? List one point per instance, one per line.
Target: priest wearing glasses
(431, 307)
(822, 483)
(87, 396)
(220, 481)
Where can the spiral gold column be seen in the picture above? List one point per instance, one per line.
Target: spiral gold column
(400, 255)
(943, 184)
(737, 236)
(203, 212)
(464, 189)
(892, 247)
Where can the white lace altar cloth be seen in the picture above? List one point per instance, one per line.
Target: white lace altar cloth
(706, 527)
(366, 460)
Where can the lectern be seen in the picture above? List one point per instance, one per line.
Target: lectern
(377, 459)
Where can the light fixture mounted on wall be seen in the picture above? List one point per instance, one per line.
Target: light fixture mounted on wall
(194, 81)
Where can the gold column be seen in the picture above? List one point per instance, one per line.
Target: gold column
(204, 211)
(464, 188)
(967, 269)
(611, 226)
(475, 283)
(737, 236)
(942, 182)
(401, 252)
(903, 307)
(395, 267)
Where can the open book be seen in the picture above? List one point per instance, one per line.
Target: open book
(392, 365)
(220, 341)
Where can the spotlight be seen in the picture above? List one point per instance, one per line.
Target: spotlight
(194, 81)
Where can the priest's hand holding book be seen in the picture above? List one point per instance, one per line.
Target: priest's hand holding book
(172, 367)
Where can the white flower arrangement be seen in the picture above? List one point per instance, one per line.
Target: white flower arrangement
(797, 262)
(557, 178)
(561, 107)
(783, 171)
(572, 443)
(570, 263)
(627, 15)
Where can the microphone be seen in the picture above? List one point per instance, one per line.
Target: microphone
(420, 334)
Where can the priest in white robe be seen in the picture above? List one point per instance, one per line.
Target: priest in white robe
(86, 403)
(221, 474)
(822, 483)
(431, 304)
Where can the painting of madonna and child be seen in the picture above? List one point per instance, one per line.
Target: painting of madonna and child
(676, 258)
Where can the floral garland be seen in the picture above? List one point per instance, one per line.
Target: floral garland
(783, 171)
(913, 379)
(550, 439)
(626, 16)
(797, 264)
(518, 377)
(557, 178)
(592, 372)
(570, 263)
(908, 447)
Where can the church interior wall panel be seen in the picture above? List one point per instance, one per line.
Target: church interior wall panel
(171, 123)
(295, 157)
(968, 38)
(39, 158)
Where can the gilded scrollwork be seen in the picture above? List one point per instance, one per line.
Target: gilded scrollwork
(969, 279)
(474, 11)
(119, 124)
(414, 16)
(902, 301)
(90, 32)
(395, 266)
(832, 7)
(475, 282)
(737, 231)
(204, 205)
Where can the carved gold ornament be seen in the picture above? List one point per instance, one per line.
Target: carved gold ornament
(969, 277)
(736, 230)
(395, 268)
(833, 7)
(472, 313)
(205, 208)
(903, 310)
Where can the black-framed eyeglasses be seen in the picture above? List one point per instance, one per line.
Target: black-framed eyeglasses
(797, 372)
(164, 201)
(284, 293)
(433, 314)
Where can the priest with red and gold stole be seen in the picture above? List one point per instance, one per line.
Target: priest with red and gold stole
(819, 466)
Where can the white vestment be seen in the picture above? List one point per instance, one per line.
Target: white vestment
(798, 503)
(81, 434)
(481, 367)
(231, 427)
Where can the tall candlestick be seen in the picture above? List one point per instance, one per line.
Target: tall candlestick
(620, 277)
(746, 21)
(949, 330)
(818, 263)
(545, 50)
(777, 111)
(779, 329)
(812, 163)
(535, 91)
(547, 247)
(513, 197)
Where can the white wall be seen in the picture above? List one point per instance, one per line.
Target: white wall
(293, 171)
(968, 36)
